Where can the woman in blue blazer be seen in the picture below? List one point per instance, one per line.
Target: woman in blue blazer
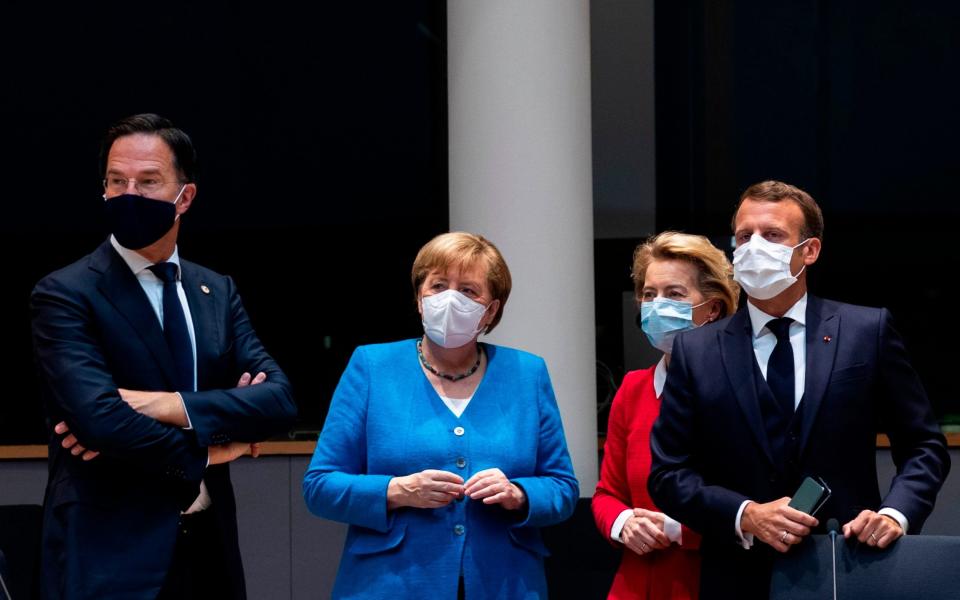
(445, 455)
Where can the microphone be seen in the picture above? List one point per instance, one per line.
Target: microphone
(833, 528)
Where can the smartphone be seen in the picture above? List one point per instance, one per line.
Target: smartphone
(810, 496)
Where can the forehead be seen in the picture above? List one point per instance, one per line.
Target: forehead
(474, 271)
(140, 152)
(664, 273)
(757, 214)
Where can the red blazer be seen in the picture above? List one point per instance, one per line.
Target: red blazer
(673, 573)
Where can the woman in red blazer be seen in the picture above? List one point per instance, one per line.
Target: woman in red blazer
(682, 281)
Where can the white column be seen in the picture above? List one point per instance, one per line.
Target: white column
(520, 175)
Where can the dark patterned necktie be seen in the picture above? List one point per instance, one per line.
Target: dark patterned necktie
(780, 368)
(175, 326)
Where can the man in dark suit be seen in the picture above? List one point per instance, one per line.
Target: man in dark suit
(788, 387)
(145, 361)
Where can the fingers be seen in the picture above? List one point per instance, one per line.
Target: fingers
(61, 427)
(873, 529)
(656, 517)
(800, 517)
(643, 536)
(69, 441)
(484, 474)
(90, 455)
(652, 534)
(855, 527)
(260, 378)
(447, 476)
(255, 449)
(484, 489)
(244, 380)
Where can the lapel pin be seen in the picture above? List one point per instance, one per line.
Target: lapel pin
(206, 290)
(826, 339)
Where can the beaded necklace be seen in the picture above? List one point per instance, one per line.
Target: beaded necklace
(447, 376)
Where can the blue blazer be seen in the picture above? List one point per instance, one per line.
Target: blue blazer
(711, 450)
(110, 524)
(386, 420)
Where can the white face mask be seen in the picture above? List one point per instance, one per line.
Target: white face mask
(450, 319)
(762, 268)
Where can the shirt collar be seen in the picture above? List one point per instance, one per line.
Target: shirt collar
(759, 319)
(137, 263)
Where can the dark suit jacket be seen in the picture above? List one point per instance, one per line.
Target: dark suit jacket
(711, 452)
(110, 524)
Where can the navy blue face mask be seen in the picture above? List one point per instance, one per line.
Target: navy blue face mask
(138, 221)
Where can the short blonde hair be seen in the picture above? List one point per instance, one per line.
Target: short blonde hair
(462, 250)
(715, 279)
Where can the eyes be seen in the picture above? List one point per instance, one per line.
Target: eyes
(648, 295)
(470, 291)
(776, 236)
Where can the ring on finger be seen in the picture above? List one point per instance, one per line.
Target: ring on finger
(643, 547)
(783, 538)
(874, 538)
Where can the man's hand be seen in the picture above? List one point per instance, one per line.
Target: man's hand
(426, 489)
(245, 379)
(165, 407)
(776, 524)
(643, 532)
(71, 443)
(873, 529)
(231, 451)
(492, 487)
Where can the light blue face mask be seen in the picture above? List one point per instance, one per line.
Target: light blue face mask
(661, 319)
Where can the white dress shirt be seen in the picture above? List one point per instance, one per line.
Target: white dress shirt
(764, 342)
(670, 527)
(456, 405)
(153, 288)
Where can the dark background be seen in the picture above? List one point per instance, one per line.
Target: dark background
(857, 103)
(322, 137)
(321, 131)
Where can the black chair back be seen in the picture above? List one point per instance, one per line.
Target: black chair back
(915, 566)
(20, 551)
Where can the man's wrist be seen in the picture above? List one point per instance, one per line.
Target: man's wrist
(744, 538)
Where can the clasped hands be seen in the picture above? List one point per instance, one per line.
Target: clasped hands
(166, 407)
(434, 488)
(780, 526)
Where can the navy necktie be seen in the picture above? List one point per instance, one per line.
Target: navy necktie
(780, 368)
(175, 326)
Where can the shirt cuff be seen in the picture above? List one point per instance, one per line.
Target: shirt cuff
(897, 516)
(619, 523)
(186, 414)
(745, 539)
(672, 530)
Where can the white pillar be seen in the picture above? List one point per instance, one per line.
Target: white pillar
(520, 175)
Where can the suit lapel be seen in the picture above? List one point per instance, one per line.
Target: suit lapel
(120, 287)
(203, 313)
(822, 327)
(736, 352)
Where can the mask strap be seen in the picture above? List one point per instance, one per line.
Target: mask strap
(709, 320)
(177, 199)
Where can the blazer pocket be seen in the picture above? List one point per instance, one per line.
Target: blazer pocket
(368, 541)
(529, 539)
(847, 373)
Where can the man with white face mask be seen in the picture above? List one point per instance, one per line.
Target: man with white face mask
(793, 386)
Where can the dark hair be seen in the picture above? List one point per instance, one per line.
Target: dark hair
(776, 191)
(184, 155)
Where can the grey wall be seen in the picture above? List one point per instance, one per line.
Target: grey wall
(288, 553)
